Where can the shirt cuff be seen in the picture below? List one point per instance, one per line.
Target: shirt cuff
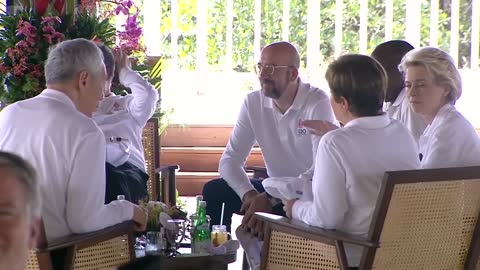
(297, 208)
(244, 189)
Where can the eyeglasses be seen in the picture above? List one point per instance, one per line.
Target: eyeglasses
(267, 69)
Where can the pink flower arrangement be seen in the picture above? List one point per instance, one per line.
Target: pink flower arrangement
(26, 37)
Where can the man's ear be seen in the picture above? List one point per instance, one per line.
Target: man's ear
(82, 79)
(294, 73)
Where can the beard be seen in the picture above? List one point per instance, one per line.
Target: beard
(270, 90)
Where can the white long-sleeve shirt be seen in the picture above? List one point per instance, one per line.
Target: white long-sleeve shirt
(287, 149)
(403, 112)
(67, 149)
(349, 169)
(449, 141)
(124, 117)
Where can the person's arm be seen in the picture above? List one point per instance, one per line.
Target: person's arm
(85, 208)
(329, 205)
(232, 162)
(145, 96)
(322, 111)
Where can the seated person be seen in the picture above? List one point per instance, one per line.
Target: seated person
(271, 117)
(390, 54)
(122, 119)
(19, 211)
(433, 86)
(351, 161)
(55, 133)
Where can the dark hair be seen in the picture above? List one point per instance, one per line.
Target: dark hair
(361, 80)
(26, 176)
(108, 59)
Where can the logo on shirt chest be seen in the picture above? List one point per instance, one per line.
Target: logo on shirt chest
(301, 131)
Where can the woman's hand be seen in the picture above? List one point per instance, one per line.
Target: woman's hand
(288, 206)
(318, 127)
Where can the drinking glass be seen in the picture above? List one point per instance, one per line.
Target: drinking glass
(175, 232)
(154, 243)
(219, 235)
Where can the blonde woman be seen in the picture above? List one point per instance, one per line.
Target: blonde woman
(433, 86)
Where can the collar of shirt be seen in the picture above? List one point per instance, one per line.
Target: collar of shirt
(298, 102)
(370, 122)
(58, 96)
(444, 110)
(398, 101)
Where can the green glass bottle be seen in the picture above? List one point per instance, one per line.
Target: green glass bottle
(201, 231)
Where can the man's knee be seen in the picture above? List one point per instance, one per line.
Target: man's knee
(214, 186)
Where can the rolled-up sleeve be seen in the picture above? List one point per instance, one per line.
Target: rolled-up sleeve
(240, 144)
(329, 205)
(145, 96)
(85, 208)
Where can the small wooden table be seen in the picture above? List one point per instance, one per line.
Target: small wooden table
(188, 261)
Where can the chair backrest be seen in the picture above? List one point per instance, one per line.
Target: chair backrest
(426, 219)
(151, 144)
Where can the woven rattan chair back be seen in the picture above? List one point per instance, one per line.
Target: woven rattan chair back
(426, 219)
(288, 252)
(151, 146)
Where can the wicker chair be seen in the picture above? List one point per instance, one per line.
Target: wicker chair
(424, 219)
(103, 249)
(164, 190)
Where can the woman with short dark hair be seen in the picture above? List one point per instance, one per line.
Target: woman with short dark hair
(352, 160)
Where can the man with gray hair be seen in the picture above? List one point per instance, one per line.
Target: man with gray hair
(19, 211)
(55, 133)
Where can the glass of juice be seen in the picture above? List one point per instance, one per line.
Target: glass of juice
(219, 235)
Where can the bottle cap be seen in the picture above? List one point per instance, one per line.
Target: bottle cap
(120, 197)
(202, 203)
(199, 197)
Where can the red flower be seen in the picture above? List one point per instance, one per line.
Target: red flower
(41, 6)
(59, 6)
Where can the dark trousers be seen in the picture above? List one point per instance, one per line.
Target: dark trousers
(217, 191)
(127, 180)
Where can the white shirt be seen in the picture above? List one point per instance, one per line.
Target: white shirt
(124, 117)
(287, 149)
(67, 150)
(449, 141)
(403, 112)
(349, 169)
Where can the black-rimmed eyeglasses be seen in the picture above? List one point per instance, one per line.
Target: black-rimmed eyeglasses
(267, 69)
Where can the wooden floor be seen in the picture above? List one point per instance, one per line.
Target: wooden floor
(197, 150)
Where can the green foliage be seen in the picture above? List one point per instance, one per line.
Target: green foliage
(92, 28)
(272, 26)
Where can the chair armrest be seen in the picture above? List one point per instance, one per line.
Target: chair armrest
(167, 168)
(90, 238)
(298, 228)
(258, 172)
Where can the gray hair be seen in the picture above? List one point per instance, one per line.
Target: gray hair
(27, 177)
(440, 65)
(70, 57)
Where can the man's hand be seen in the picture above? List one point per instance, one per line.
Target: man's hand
(319, 127)
(247, 200)
(140, 216)
(259, 203)
(121, 60)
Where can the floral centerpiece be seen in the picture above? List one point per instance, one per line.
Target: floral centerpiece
(155, 210)
(28, 33)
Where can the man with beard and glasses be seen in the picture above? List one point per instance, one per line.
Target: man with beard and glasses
(271, 117)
